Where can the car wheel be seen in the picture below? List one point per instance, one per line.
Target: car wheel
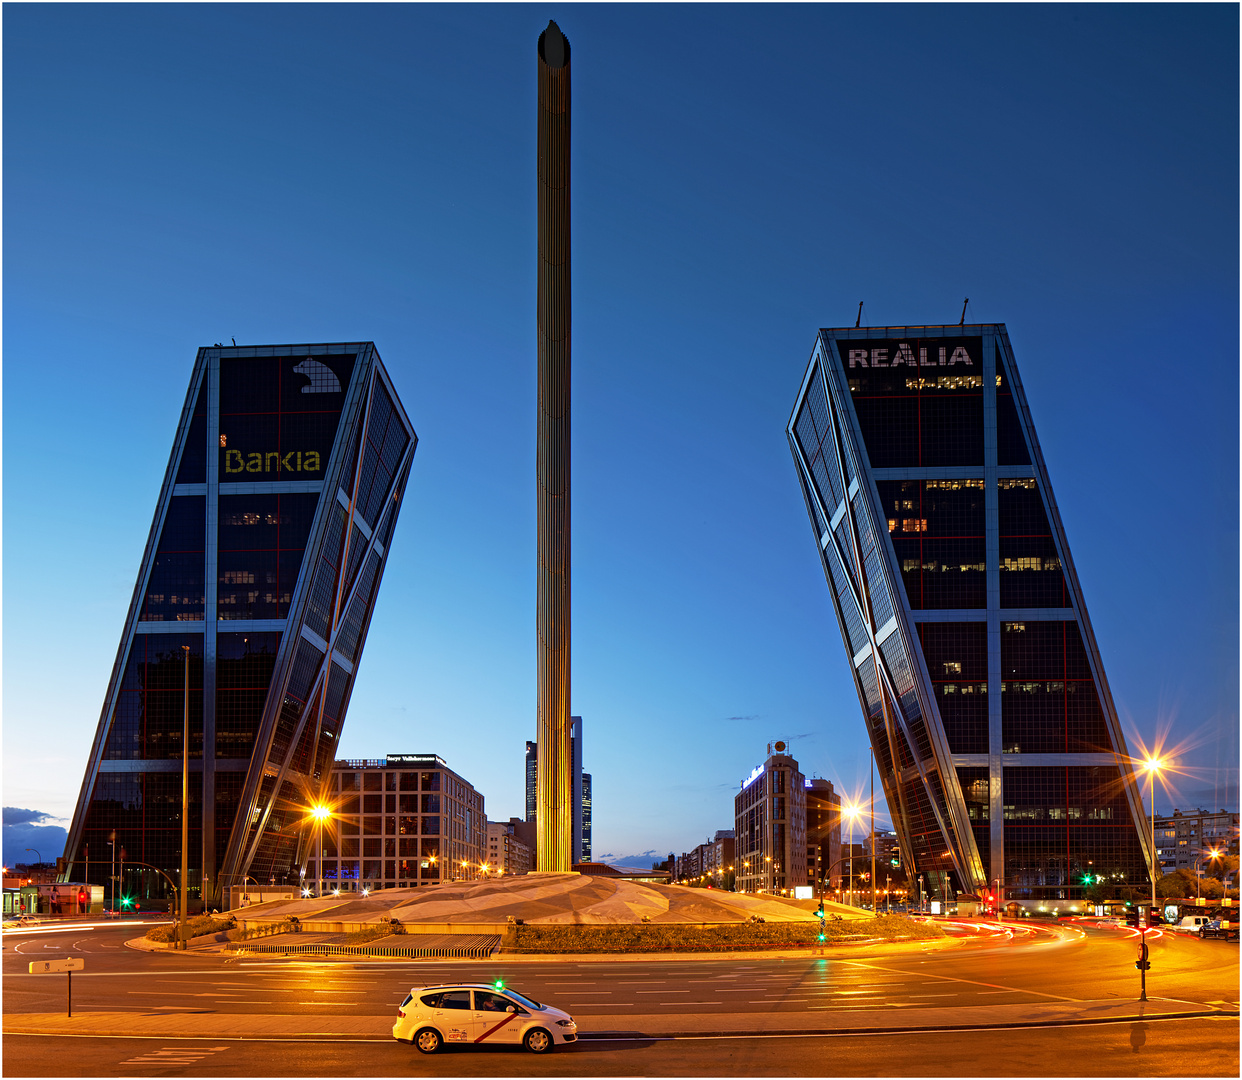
(537, 1041)
(427, 1040)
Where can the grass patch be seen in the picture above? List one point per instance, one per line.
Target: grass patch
(201, 924)
(680, 937)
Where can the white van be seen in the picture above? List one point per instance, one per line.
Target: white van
(1189, 924)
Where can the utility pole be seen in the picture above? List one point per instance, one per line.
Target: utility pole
(873, 910)
(182, 941)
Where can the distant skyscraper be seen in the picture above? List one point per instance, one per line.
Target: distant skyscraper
(265, 556)
(581, 790)
(532, 770)
(983, 691)
(585, 804)
(575, 757)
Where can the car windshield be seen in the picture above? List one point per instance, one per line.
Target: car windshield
(530, 1003)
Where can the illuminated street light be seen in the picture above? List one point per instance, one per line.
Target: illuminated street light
(320, 813)
(851, 812)
(1153, 766)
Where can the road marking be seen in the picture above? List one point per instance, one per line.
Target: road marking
(665, 991)
(986, 993)
(174, 1055)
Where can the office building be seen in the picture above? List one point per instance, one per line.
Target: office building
(823, 834)
(770, 826)
(399, 821)
(980, 682)
(261, 570)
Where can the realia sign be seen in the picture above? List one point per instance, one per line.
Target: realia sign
(889, 356)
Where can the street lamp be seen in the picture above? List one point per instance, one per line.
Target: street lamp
(320, 813)
(851, 812)
(1152, 765)
(1212, 856)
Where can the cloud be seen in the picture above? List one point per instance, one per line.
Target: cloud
(24, 829)
(756, 716)
(15, 815)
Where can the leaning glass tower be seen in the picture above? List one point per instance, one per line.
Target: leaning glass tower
(994, 731)
(265, 556)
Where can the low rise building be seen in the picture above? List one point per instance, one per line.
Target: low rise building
(1186, 836)
(407, 819)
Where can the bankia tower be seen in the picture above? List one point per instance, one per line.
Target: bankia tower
(264, 558)
(985, 699)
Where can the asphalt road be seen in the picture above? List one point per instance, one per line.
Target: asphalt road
(1074, 963)
(1207, 1047)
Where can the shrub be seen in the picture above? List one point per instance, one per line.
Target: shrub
(370, 933)
(198, 926)
(660, 937)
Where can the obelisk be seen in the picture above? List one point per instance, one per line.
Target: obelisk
(553, 781)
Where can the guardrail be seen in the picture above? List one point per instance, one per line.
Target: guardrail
(409, 952)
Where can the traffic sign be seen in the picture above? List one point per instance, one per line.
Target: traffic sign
(55, 967)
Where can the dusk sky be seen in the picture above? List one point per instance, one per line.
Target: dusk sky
(180, 175)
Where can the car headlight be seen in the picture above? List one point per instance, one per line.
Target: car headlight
(567, 1023)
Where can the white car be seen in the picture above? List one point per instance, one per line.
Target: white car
(471, 1013)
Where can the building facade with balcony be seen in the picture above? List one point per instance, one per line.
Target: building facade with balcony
(1189, 835)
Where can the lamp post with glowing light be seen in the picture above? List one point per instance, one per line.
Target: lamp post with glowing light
(320, 813)
(851, 812)
(1152, 765)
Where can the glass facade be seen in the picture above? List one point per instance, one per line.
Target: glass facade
(997, 742)
(254, 583)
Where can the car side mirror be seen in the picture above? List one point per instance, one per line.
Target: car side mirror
(511, 1008)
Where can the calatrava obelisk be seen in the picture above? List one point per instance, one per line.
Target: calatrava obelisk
(554, 780)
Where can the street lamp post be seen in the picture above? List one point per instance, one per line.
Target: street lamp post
(182, 941)
(320, 813)
(1153, 766)
(872, 772)
(851, 812)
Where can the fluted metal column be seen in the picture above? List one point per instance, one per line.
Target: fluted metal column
(553, 783)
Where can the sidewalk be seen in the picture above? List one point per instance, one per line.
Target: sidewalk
(212, 1025)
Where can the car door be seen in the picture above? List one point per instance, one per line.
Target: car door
(496, 1018)
(454, 1017)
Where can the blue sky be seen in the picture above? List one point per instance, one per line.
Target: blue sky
(180, 175)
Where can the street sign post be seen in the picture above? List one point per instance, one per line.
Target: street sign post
(54, 967)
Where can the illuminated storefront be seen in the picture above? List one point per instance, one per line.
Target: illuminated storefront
(995, 735)
(264, 560)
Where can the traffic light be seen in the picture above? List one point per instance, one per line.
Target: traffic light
(127, 902)
(819, 911)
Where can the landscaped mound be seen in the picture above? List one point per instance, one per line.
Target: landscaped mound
(666, 937)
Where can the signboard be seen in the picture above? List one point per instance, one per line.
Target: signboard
(935, 907)
(56, 967)
(803, 892)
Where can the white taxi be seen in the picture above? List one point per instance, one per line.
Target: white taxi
(474, 1013)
